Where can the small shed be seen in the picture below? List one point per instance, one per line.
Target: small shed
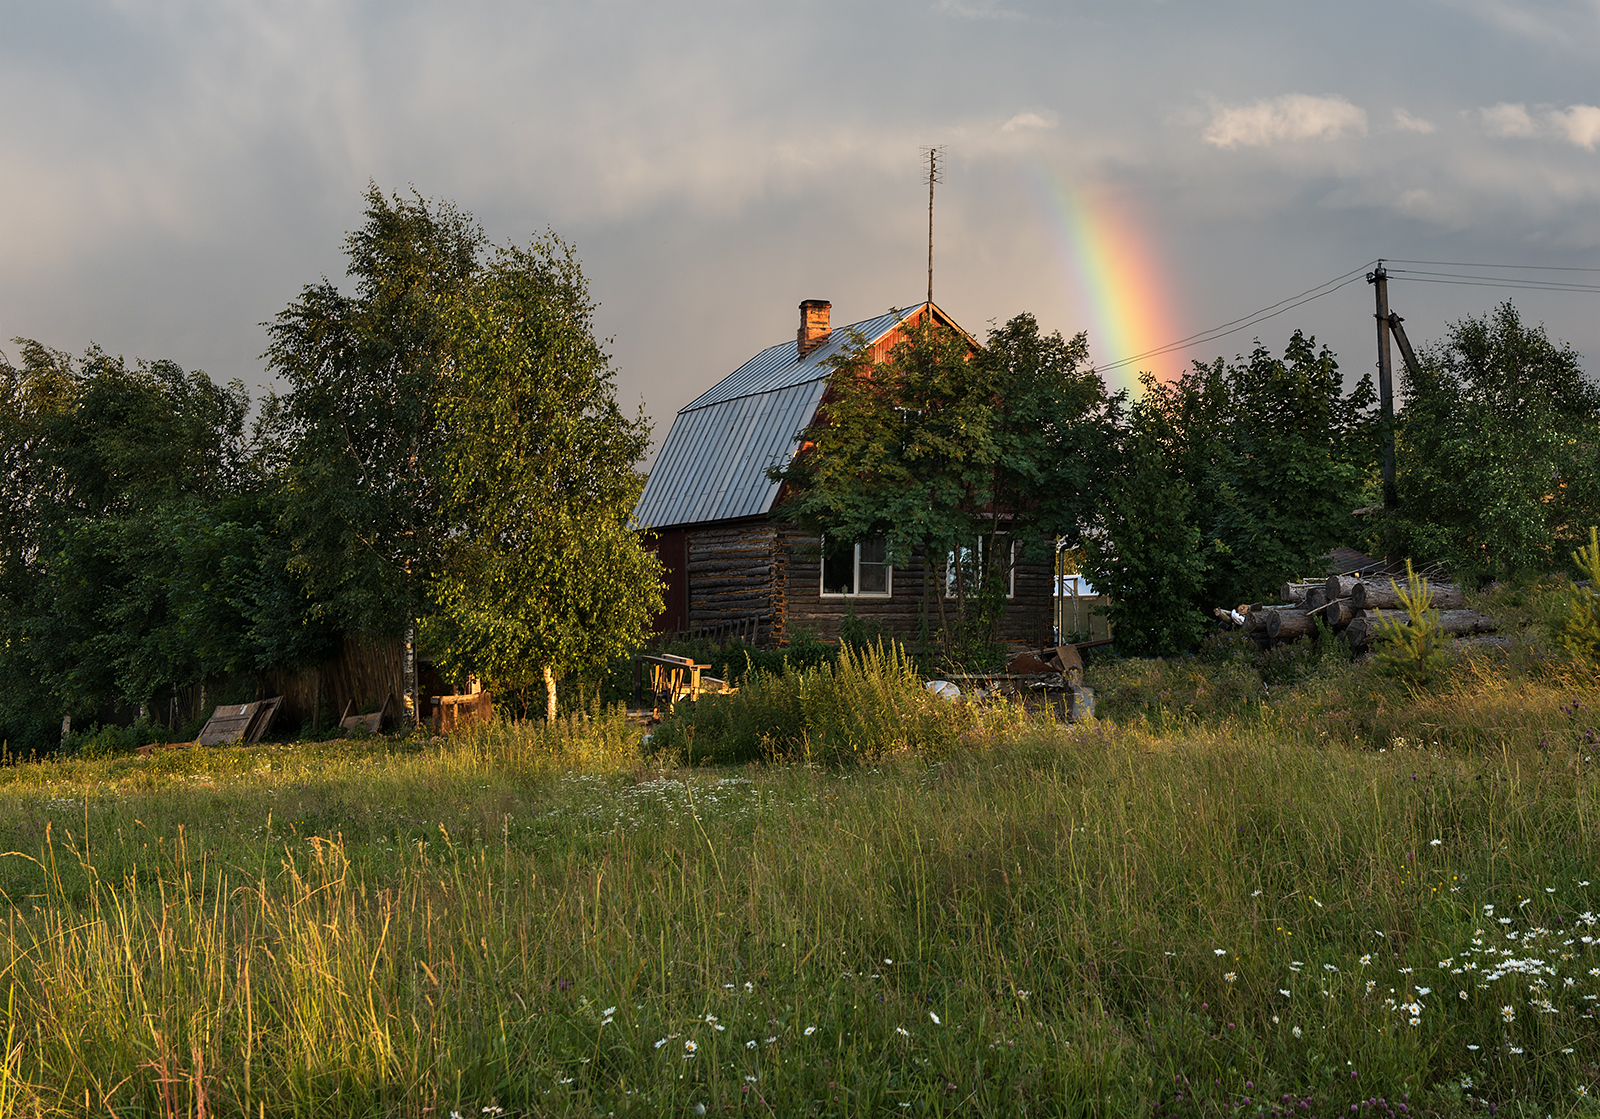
(707, 503)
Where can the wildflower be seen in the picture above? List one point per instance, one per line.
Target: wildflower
(1284, 993)
(750, 1079)
(902, 1031)
(772, 1040)
(1329, 967)
(1416, 1021)
(1517, 1051)
(1365, 960)
(810, 1030)
(935, 1018)
(888, 961)
(1274, 1019)
(1435, 842)
(1256, 894)
(1549, 889)
(711, 1018)
(608, 1011)
(1488, 909)
(1295, 1031)
(1424, 990)
(563, 1080)
(689, 1046)
(607, 1021)
(1567, 1050)
(1509, 1014)
(751, 1044)
(1463, 995)
(1219, 951)
(749, 986)
(1231, 976)
(1474, 1048)
(660, 1043)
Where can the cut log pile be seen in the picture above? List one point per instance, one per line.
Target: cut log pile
(1352, 606)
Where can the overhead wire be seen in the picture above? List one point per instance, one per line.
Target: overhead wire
(1410, 275)
(1271, 311)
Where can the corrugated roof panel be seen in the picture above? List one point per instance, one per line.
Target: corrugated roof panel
(713, 464)
(778, 367)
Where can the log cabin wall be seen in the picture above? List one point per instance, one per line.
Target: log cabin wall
(736, 573)
(1026, 621)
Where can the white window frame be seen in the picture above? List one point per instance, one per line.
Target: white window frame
(1011, 570)
(855, 576)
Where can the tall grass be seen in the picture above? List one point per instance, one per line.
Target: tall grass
(1259, 913)
(867, 704)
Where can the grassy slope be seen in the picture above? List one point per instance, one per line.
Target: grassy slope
(1103, 919)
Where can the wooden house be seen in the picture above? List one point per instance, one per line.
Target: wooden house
(707, 505)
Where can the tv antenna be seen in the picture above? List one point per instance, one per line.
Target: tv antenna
(933, 154)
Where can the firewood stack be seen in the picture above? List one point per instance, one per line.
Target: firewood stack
(1352, 606)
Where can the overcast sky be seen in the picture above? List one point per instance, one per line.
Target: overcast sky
(171, 173)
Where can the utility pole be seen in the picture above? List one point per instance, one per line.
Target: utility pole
(933, 177)
(1379, 279)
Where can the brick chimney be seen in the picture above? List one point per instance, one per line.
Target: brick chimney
(814, 328)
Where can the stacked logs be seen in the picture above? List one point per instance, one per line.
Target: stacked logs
(1353, 606)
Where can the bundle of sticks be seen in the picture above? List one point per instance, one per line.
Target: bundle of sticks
(1352, 606)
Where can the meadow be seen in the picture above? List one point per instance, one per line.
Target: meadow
(1287, 886)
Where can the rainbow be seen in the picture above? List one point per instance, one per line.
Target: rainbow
(1117, 280)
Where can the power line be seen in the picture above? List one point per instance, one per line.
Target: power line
(1519, 267)
(1271, 311)
(1470, 280)
(1328, 287)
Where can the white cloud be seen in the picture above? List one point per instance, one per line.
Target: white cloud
(1405, 122)
(1580, 124)
(1027, 120)
(1506, 119)
(1294, 116)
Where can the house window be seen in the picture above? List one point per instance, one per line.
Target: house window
(857, 569)
(972, 566)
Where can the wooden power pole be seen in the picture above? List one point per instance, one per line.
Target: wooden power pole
(1379, 279)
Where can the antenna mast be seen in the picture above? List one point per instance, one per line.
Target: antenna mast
(933, 177)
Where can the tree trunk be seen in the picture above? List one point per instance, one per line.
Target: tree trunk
(1337, 614)
(1375, 594)
(1286, 625)
(549, 695)
(1315, 597)
(1296, 592)
(1366, 628)
(1339, 586)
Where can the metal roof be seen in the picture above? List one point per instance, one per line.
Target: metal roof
(713, 464)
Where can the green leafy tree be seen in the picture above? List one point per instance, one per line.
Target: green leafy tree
(1496, 448)
(949, 449)
(359, 429)
(1145, 554)
(541, 574)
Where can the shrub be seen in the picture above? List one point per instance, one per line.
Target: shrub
(1580, 625)
(1414, 649)
(868, 703)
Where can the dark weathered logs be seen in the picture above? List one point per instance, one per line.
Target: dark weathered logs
(1339, 586)
(1286, 625)
(1337, 614)
(1296, 592)
(1315, 597)
(1453, 622)
(1379, 594)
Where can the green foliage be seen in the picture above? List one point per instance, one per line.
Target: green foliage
(1231, 480)
(358, 432)
(542, 574)
(1496, 449)
(1414, 649)
(1148, 559)
(867, 704)
(1580, 626)
(952, 449)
